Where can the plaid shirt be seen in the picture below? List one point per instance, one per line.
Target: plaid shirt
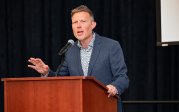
(85, 54)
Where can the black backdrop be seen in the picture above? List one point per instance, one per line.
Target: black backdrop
(39, 28)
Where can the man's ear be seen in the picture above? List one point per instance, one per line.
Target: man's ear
(93, 24)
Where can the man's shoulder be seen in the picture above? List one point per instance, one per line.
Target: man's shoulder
(105, 39)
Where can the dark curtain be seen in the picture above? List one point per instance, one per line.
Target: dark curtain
(39, 28)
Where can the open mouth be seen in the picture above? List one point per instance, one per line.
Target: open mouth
(79, 32)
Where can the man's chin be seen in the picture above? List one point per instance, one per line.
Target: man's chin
(80, 38)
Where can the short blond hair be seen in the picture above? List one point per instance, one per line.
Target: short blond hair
(82, 8)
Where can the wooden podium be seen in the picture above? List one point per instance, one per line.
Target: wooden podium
(57, 94)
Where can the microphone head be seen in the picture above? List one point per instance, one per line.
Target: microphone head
(71, 42)
(65, 48)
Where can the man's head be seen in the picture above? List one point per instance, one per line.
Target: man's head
(82, 23)
(82, 8)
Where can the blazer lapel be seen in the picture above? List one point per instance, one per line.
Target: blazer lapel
(78, 60)
(94, 55)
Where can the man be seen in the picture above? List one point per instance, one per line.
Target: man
(91, 55)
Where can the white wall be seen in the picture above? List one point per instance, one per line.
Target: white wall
(169, 20)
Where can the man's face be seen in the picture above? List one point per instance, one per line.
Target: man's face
(82, 25)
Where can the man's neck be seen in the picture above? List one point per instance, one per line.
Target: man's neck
(86, 42)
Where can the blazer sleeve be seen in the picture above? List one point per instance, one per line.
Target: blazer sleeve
(62, 70)
(119, 68)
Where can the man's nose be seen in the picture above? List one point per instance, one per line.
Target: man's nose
(78, 25)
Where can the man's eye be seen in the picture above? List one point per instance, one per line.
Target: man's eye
(83, 21)
(74, 22)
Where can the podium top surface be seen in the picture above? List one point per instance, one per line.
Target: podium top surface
(48, 78)
(54, 78)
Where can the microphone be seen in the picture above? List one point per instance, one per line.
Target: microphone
(61, 52)
(65, 48)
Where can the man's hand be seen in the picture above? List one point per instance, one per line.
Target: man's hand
(111, 90)
(38, 65)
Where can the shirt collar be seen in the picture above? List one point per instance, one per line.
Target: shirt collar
(90, 44)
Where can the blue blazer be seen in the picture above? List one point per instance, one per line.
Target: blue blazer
(107, 63)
